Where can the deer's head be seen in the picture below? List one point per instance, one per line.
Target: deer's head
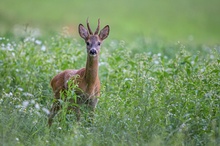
(93, 40)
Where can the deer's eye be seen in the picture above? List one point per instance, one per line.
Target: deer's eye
(99, 43)
(87, 43)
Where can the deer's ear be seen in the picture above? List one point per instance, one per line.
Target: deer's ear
(83, 31)
(104, 32)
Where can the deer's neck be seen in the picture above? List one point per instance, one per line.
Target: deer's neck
(91, 73)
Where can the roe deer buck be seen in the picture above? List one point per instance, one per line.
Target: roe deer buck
(87, 78)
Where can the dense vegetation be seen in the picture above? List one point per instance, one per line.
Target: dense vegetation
(152, 93)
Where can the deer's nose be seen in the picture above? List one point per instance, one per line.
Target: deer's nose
(92, 52)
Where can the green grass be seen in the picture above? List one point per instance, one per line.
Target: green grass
(174, 20)
(153, 93)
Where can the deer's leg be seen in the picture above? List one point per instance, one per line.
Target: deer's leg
(93, 103)
(53, 111)
(77, 111)
(92, 106)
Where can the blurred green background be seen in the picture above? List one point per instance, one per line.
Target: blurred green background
(172, 20)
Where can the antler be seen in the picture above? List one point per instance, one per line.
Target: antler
(90, 31)
(97, 29)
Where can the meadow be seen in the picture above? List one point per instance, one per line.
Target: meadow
(168, 95)
(159, 71)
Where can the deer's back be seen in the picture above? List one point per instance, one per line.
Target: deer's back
(59, 82)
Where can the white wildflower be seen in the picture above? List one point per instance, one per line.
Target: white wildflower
(202, 70)
(128, 79)
(46, 111)
(43, 48)
(25, 104)
(37, 106)
(32, 101)
(151, 78)
(8, 94)
(156, 62)
(212, 56)
(20, 89)
(38, 42)
(27, 94)
(149, 53)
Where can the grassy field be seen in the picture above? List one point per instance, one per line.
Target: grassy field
(173, 20)
(168, 95)
(159, 70)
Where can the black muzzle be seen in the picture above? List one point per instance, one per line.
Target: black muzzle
(92, 52)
